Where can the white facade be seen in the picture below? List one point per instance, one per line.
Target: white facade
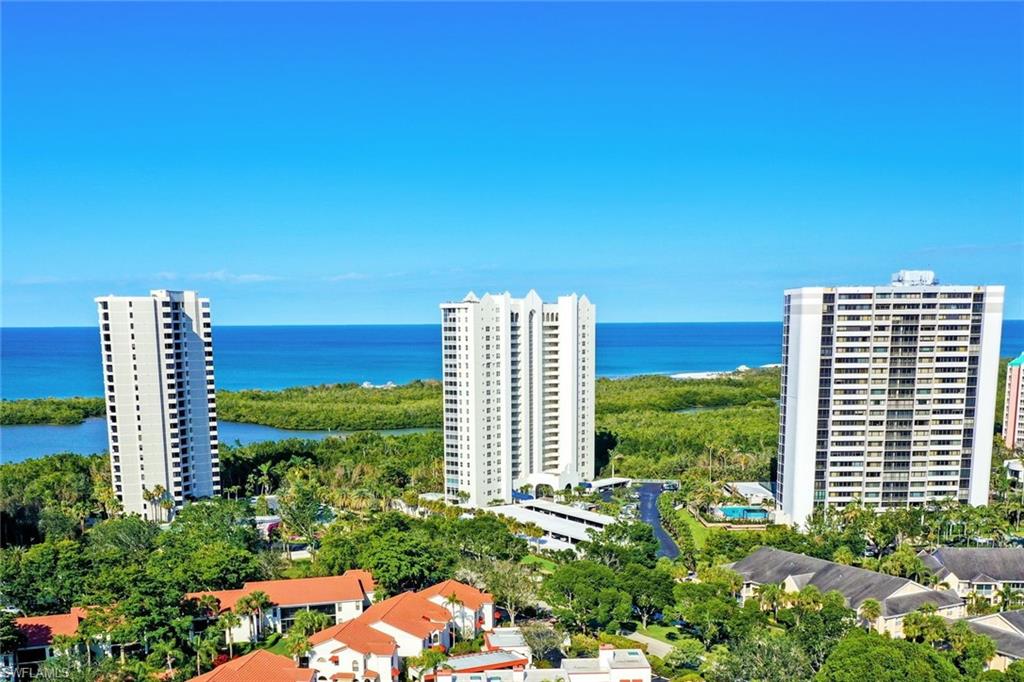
(888, 395)
(1013, 406)
(518, 394)
(161, 414)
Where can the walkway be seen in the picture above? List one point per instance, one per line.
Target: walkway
(654, 646)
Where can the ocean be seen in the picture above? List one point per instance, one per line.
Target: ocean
(63, 362)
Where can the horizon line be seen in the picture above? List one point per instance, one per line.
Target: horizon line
(415, 324)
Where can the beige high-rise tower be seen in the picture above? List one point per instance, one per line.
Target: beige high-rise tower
(161, 406)
(888, 394)
(518, 394)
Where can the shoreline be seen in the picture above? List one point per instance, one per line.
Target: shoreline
(684, 375)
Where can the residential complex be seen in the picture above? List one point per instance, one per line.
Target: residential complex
(888, 394)
(1006, 630)
(994, 573)
(339, 597)
(161, 410)
(1013, 410)
(258, 666)
(896, 596)
(518, 395)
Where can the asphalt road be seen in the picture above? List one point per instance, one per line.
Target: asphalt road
(647, 511)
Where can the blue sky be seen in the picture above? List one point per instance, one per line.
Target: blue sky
(359, 163)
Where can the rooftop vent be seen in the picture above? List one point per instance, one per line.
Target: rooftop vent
(914, 278)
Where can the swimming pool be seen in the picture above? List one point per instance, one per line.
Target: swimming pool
(744, 513)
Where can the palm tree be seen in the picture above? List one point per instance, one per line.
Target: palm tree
(246, 609)
(259, 602)
(770, 597)
(167, 505)
(870, 611)
(229, 620)
(454, 604)
(807, 599)
(206, 649)
(263, 477)
(148, 496)
(158, 495)
(430, 658)
(1008, 597)
(167, 653)
(209, 605)
(296, 643)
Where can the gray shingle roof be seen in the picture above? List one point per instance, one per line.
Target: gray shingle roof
(770, 565)
(1015, 618)
(981, 564)
(1007, 643)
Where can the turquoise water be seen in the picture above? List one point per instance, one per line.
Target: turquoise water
(743, 513)
(64, 362)
(22, 442)
(61, 362)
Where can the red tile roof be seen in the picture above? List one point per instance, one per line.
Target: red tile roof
(352, 586)
(410, 612)
(40, 630)
(357, 635)
(259, 666)
(467, 594)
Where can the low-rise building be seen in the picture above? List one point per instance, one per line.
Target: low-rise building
(1014, 471)
(472, 610)
(354, 651)
(414, 621)
(372, 646)
(38, 634)
(610, 665)
(563, 527)
(340, 597)
(897, 596)
(508, 639)
(754, 492)
(483, 663)
(1006, 630)
(986, 571)
(258, 666)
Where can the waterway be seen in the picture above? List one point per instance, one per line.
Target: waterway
(24, 442)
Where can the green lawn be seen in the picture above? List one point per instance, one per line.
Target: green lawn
(665, 633)
(700, 533)
(280, 647)
(545, 565)
(297, 569)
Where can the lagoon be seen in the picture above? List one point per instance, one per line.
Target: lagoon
(24, 442)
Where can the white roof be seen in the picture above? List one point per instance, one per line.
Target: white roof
(606, 482)
(553, 508)
(505, 637)
(751, 489)
(548, 523)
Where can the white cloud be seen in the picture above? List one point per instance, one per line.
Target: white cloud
(231, 278)
(347, 277)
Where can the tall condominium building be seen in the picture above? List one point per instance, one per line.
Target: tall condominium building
(518, 394)
(888, 394)
(1013, 410)
(161, 410)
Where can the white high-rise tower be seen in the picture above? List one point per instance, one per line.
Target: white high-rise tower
(518, 394)
(888, 394)
(161, 409)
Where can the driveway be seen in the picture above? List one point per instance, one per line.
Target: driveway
(654, 646)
